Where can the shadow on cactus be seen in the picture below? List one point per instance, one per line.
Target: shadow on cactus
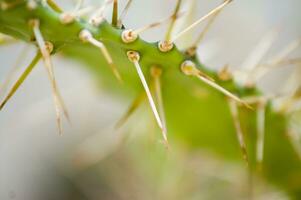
(221, 111)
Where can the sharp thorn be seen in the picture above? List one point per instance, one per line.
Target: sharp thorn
(132, 108)
(239, 132)
(21, 79)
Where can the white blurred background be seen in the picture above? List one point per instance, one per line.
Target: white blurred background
(33, 155)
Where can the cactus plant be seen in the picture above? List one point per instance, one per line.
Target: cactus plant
(229, 116)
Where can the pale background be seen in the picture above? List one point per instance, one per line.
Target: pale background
(31, 151)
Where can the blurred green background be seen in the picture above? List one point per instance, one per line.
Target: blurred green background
(92, 160)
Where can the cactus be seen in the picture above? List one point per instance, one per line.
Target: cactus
(229, 117)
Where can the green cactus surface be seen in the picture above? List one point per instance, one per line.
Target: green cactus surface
(197, 115)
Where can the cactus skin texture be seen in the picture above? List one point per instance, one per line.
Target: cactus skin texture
(193, 119)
